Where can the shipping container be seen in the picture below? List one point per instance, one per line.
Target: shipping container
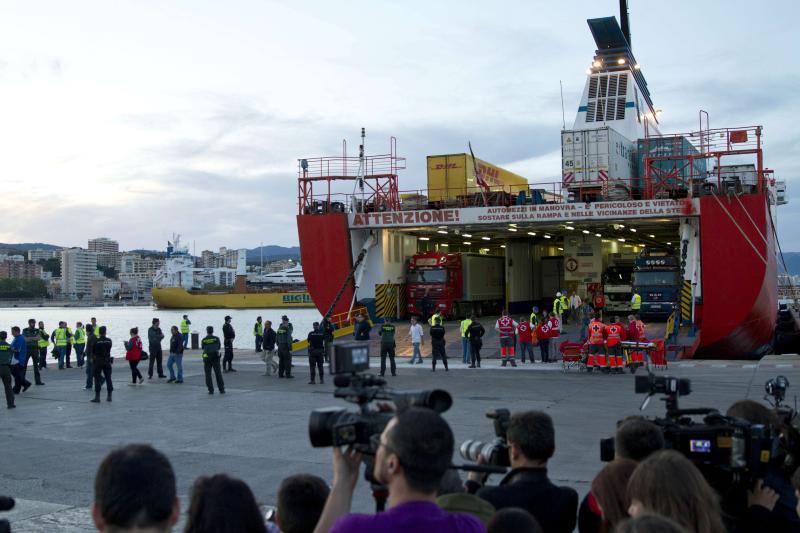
(674, 145)
(483, 277)
(452, 176)
(599, 158)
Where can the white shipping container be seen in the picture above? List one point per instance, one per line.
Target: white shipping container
(590, 157)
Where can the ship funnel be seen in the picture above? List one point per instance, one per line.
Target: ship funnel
(623, 21)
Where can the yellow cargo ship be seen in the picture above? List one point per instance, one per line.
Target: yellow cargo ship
(179, 298)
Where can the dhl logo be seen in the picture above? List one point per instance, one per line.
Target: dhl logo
(442, 166)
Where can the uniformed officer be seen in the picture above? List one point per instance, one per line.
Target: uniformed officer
(228, 334)
(101, 365)
(258, 333)
(32, 337)
(316, 352)
(328, 328)
(44, 344)
(387, 346)
(475, 333)
(211, 346)
(465, 349)
(636, 302)
(6, 354)
(437, 343)
(60, 339)
(434, 317)
(506, 328)
(79, 343)
(283, 337)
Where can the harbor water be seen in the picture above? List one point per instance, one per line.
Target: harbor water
(119, 321)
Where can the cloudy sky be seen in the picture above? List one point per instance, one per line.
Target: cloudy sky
(136, 119)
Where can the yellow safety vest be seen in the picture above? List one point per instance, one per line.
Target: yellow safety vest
(61, 337)
(464, 325)
(80, 336)
(44, 340)
(184, 327)
(636, 304)
(534, 320)
(258, 329)
(432, 319)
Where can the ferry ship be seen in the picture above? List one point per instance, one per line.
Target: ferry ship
(178, 285)
(696, 209)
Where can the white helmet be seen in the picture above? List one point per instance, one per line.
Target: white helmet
(558, 295)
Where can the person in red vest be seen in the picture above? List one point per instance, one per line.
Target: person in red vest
(544, 332)
(615, 334)
(505, 328)
(596, 334)
(525, 334)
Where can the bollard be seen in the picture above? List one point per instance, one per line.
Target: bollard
(195, 340)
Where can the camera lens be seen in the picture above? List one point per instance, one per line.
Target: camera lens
(321, 424)
(471, 449)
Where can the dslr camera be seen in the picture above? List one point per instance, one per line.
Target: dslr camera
(494, 452)
(335, 426)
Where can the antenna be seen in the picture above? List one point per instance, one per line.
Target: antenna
(563, 119)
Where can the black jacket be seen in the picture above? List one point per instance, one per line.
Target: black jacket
(227, 332)
(269, 339)
(327, 327)
(102, 351)
(362, 329)
(176, 344)
(554, 507)
(437, 335)
(91, 339)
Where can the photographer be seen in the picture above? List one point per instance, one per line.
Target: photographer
(771, 501)
(531, 443)
(413, 453)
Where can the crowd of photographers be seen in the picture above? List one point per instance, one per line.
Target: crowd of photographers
(644, 489)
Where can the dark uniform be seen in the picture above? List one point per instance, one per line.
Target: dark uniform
(154, 338)
(6, 354)
(316, 353)
(283, 337)
(475, 333)
(228, 334)
(387, 347)
(327, 328)
(101, 366)
(211, 346)
(32, 336)
(437, 345)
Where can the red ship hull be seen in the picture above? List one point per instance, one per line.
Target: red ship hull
(739, 278)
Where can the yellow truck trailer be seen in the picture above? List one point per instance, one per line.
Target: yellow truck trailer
(453, 175)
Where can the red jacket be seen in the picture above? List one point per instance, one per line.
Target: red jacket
(615, 333)
(555, 325)
(595, 332)
(134, 349)
(545, 329)
(524, 332)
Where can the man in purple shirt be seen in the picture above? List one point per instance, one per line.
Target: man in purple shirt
(412, 455)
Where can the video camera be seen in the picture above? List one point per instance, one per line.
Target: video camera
(6, 504)
(728, 451)
(334, 426)
(495, 452)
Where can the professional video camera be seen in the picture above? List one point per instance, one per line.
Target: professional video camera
(334, 426)
(728, 451)
(494, 452)
(789, 452)
(6, 504)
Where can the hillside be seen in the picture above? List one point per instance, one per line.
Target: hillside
(273, 253)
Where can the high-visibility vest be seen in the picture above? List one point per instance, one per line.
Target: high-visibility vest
(534, 320)
(44, 340)
(464, 326)
(61, 337)
(434, 317)
(636, 302)
(258, 329)
(80, 336)
(564, 303)
(596, 329)
(184, 327)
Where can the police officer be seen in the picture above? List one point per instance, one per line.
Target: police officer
(328, 328)
(283, 337)
(258, 333)
(6, 354)
(211, 345)
(154, 338)
(316, 352)
(91, 339)
(387, 346)
(44, 344)
(32, 337)
(184, 328)
(101, 365)
(228, 334)
(475, 333)
(437, 343)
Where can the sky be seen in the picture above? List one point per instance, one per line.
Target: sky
(139, 119)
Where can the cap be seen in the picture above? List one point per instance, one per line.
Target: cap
(558, 294)
(227, 317)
